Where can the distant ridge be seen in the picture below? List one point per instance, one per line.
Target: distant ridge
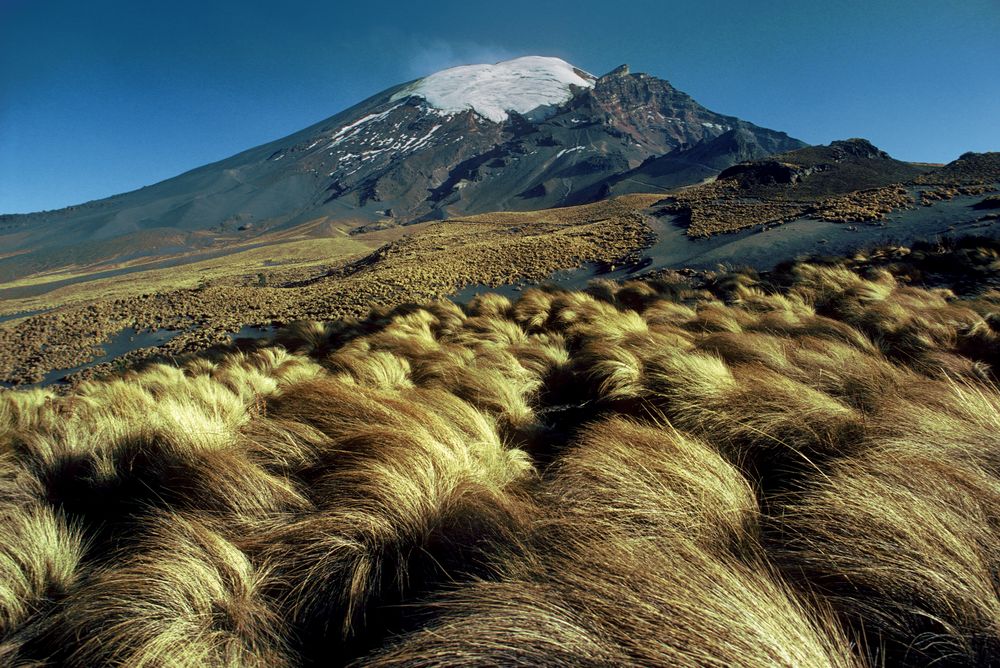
(840, 167)
(849, 180)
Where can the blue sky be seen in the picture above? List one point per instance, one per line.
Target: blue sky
(100, 97)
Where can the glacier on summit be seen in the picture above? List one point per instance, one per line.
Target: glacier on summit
(532, 86)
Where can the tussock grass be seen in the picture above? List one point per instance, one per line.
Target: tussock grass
(185, 596)
(38, 561)
(797, 467)
(637, 563)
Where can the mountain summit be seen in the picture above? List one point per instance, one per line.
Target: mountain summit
(523, 134)
(532, 86)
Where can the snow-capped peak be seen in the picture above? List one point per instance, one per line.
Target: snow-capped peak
(530, 86)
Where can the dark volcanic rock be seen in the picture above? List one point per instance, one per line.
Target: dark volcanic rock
(991, 202)
(856, 148)
(767, 173)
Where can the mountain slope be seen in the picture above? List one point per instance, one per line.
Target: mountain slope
(525, 134)
(704, 160)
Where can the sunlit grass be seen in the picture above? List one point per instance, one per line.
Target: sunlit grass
(794, 468)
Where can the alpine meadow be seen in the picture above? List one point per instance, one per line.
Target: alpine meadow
(510, 364)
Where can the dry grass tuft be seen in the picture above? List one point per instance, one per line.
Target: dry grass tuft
(797, 467)
(185, 596)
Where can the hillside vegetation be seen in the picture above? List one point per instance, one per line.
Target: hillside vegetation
(797, 468)
(205, 301)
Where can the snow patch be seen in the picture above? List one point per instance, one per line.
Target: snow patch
(570, 150)
(352, 129)
(531, 86)
(414, 143)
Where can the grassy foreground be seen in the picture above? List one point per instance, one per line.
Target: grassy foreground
(800, 468)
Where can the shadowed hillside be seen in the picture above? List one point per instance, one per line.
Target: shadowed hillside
(692, 165)
(797, 467)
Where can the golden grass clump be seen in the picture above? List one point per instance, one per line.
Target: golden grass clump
(641, 478)
(900, 538)
(392, 476)
(639, 563)
(185, 596)
(795, 467)
(39, 558)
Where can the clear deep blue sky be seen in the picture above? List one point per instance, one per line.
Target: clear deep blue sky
(101, 97)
